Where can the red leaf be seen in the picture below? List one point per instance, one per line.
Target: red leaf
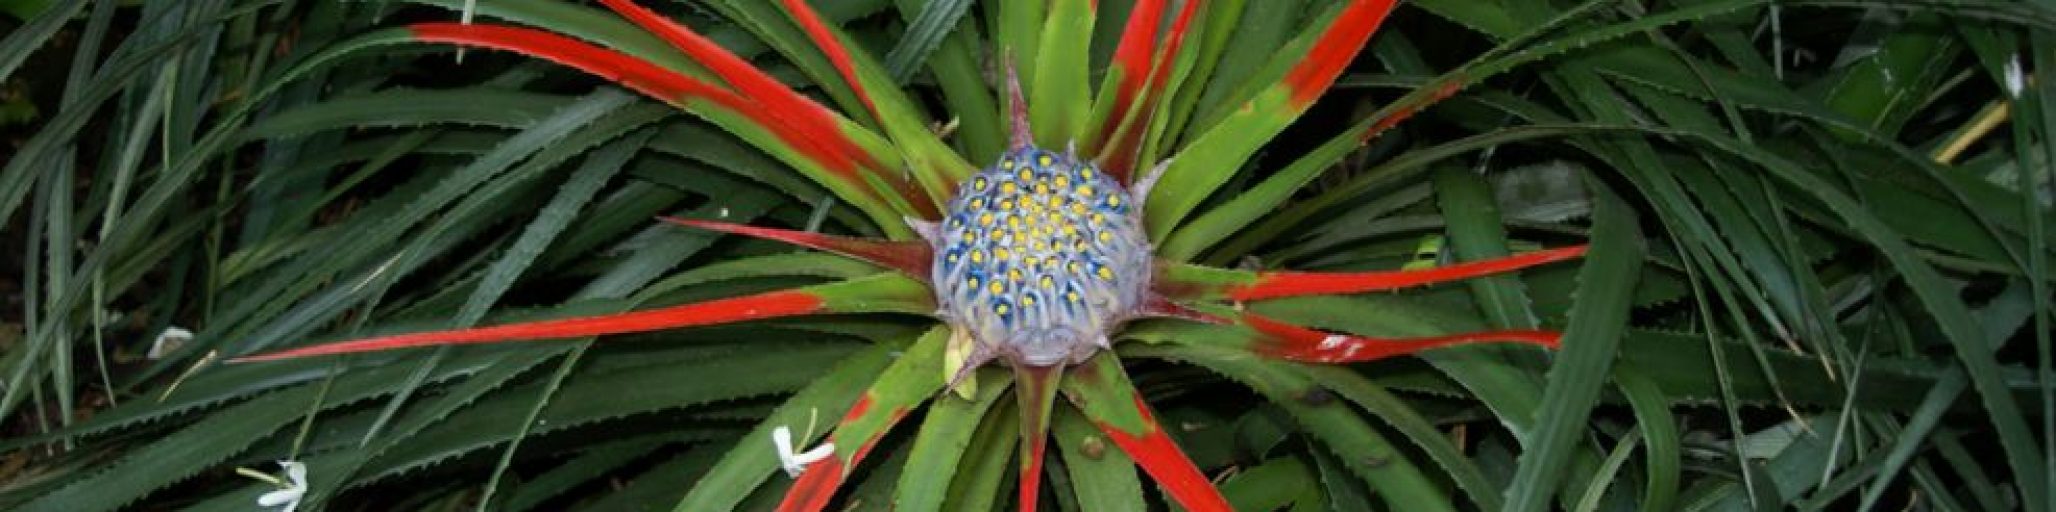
(813, 122)
(1145, 69)
(1138, 45)
(1271, 285)
(815, 487)
(1335, 49)
(839, 56)
(1035, 389)
(1165, 463)
(634, 73)
(819, 142)
(910, 257)
(752, 307)
(832, 47)
(1287, 341)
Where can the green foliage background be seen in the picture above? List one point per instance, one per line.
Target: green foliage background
(1831, 221)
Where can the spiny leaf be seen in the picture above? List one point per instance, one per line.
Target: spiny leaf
(1035, 390)
(885, 292)
(925, 32)
(939, 447)
(911, 258)
(1192, 282)
(1516, 51)
(752, 460)
(937, 167)
(1410, 422)
(1138, 79)
(1209, 160)
(1287, 341)
(588, 397)
(1100, 477)
(912, 379)
(1596, 323)
(1340, 429)
(1101, 390)
(178, 456)
(813, 123)
(737, 114)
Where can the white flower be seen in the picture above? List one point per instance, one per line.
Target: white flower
(2016, 80)
(796, 463)
(296, 473)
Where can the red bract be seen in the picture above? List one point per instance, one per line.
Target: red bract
(1033, 255)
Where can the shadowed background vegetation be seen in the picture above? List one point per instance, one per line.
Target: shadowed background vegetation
(1828, 225)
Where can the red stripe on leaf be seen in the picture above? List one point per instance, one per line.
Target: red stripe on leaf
(838, 55)
(1270, 285)
(1407, 111)
(1146, 70)
(1035, 388)
(753, 307)
(1137, 48)
(1160, 457)
(911, 258)
(817, 485)
(657, 82)
(1286, 341)
(814, 487)
(1335, 49)
(634, 73)
(813, 122)
(830, 46)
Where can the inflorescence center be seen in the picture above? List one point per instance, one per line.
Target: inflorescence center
(1039, 255)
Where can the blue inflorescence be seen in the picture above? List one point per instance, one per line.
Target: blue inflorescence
(1039, 255)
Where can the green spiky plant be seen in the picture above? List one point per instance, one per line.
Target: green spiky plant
(1080, 191)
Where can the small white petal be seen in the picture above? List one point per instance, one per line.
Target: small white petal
(296, 473)
(279, 497)
(819, 452)
(2016, 80)
(781, 438)
(796, 463)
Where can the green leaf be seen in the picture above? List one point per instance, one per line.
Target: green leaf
(1362, 449)
(925, 32)
(1102, 476)
(1409, 422)
(24, 39)
(1060, 99)
(753, 460)
(179, 456)
(1210, 159)
(588, 397)
(957, 67)
(1476, 233)
(940, 444)
(1270, 485)
(1596, 324)
(1661, 444)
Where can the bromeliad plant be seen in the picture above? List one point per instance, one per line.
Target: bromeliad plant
(1038, 260)
(1817, 230)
